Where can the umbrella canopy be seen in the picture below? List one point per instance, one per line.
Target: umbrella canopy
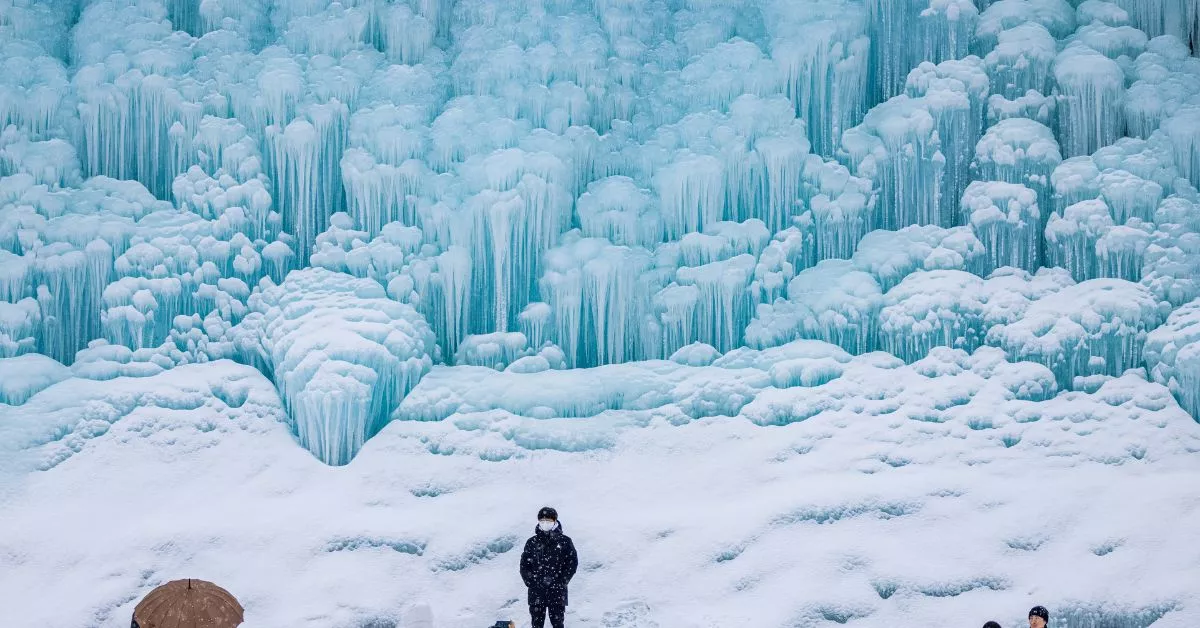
(188, 604)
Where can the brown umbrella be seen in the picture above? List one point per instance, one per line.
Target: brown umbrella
(188, 604)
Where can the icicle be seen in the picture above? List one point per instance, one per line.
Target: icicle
(1163, 83)
(46, 25)
(1091, 88)
(1071, 238)
(1121, 251)
(1074, 180)
(941, 308)
(335, 31)
(889, 256)
(617, 209)
(35, 94)
(1130, 196)
(305, 159)
(1183, 131)
(956, 92)
(712, 81)
(616, 302)
(107, 132)
(380, 193)
(70, 282)
(676, 308)
(20, 327)
(779, 262)
(1096, 327)
(599, 294)
(138, 312)
(783, 160)
(16, 272)
(691, 190)
(839, 225)
(1008, 221)
(897, 146)
(1019, 151)
(824, 52)
(507, 231)
(1113, 42)
(833, 301)
(51, 162)
(248, 17)
(1161, 17)
(1172, 355)
(406, 35)
(1021, 60)
(443, 286)
(723, 304)
(1032, 105)
(1057, 16)
(907, 32)
(536, 322)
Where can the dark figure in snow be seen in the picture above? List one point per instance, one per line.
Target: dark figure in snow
(1039, 617)
(991, 624)
(547, 566)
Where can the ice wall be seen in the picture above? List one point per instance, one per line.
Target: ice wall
(613, 181)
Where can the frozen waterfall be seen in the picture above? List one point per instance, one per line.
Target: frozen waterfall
(345, 194)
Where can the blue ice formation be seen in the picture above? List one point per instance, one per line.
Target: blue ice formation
(1173, 355)
(537, 186)
(342, 355)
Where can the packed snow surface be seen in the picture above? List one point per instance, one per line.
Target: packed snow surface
(804, 313)
(958, 486)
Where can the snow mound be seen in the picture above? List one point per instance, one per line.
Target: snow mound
(25, 375)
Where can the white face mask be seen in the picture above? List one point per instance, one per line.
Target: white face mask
(545, 525)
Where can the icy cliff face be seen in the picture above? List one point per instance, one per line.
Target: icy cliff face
(540, 185)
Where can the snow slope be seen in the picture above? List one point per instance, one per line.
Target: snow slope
(792, 486)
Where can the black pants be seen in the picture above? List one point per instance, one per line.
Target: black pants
(538, 613)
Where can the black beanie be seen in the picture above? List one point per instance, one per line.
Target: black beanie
(548, 513)
(1040, 611)
(991, 624)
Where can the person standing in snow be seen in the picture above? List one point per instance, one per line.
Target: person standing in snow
(1039, 617)
(547, 566)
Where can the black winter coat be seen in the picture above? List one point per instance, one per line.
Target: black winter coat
(547, 566)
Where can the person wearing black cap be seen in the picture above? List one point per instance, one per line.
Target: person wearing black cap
(991, 624)
(548, 563)
(1039, 617)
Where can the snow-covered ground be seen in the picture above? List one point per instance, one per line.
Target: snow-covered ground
(748, 491)
(804, 313)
